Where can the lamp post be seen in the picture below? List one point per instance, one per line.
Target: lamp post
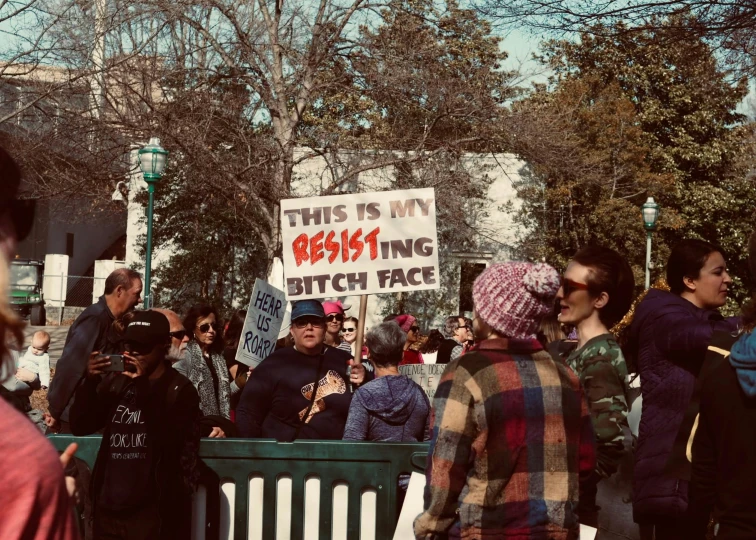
(650, 212)
(152, 160)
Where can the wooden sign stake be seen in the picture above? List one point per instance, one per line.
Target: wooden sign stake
(360, 329)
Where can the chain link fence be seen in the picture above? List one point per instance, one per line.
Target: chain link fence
(67, 296)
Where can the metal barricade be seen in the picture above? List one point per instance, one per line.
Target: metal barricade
(301, 490)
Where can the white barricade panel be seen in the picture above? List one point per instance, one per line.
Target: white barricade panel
(255, 510)
(227, 501)
(368, 507)
(340, 509)
(283, 507)
(312, 508)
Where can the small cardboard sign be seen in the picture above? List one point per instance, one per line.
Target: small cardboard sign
(426, 375)
(264, 317)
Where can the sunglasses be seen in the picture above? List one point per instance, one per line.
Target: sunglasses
(139, 349)
(205, 328)
(180, 334)
(465, 327)
(349, 330)
(414, 328)
(569, 286)
(335, 317)
(304, 322)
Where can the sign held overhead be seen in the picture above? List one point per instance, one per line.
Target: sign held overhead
(361, 243)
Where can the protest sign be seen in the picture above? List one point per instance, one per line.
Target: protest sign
(361, 243)
(264, 316)
(425, 375)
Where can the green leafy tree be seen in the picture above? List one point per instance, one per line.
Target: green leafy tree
(652, 109)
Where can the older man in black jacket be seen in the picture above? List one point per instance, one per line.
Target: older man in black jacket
(90, 332)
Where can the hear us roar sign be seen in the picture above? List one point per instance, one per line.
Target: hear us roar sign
(362, 243)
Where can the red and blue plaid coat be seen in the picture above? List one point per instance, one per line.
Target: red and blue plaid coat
(511, 436)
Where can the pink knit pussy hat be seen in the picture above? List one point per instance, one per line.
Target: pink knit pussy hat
(333, 307)
(405, 322)
(512, 298)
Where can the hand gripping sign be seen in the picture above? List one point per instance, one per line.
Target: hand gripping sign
(362, 243)
(264, 316)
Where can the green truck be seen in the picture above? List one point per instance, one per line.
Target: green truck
(26, 290)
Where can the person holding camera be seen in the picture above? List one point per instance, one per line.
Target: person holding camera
(147, 465)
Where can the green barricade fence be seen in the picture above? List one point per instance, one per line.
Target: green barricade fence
(339, 488)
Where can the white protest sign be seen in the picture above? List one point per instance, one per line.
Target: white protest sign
(361, 243)
(427, 376)
(264, 316)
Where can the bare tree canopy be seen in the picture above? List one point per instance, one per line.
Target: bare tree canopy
(729, 24)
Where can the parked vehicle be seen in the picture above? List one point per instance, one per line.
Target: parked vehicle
(26, 290)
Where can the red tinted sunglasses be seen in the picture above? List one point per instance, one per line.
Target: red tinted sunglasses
(569, 286)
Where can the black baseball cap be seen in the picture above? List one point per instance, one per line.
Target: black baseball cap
(147, 328)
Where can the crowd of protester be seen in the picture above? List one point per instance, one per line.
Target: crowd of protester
(528, 419)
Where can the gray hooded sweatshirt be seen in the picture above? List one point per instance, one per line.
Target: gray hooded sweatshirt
(390, 409)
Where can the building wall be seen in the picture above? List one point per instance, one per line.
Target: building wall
(92, 233)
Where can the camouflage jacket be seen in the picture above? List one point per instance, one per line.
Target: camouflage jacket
(601, 368)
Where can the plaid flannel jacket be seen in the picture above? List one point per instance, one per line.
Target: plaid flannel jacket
(511, 436)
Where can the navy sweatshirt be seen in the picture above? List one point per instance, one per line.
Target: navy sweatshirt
(278, 393)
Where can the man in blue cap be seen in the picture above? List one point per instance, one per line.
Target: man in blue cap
(300, 392)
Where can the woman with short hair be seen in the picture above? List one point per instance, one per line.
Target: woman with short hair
(669, 336)
(596, 292)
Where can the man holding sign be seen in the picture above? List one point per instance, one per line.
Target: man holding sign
(300, 392)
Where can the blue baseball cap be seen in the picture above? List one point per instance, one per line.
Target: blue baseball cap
(307, 308)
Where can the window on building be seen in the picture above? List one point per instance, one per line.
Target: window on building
(70, 244)
(469, 271)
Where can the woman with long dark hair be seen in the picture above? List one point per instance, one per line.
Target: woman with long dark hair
(206, 366)
(669, 337)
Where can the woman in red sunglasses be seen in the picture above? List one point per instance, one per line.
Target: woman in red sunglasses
(596, 292)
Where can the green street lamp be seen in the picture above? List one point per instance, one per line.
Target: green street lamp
(650, 212)
(152, 160)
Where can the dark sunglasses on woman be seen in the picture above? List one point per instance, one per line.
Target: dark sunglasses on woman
(205, 328)
(346, 330)
(335, 317)
(569, 286)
